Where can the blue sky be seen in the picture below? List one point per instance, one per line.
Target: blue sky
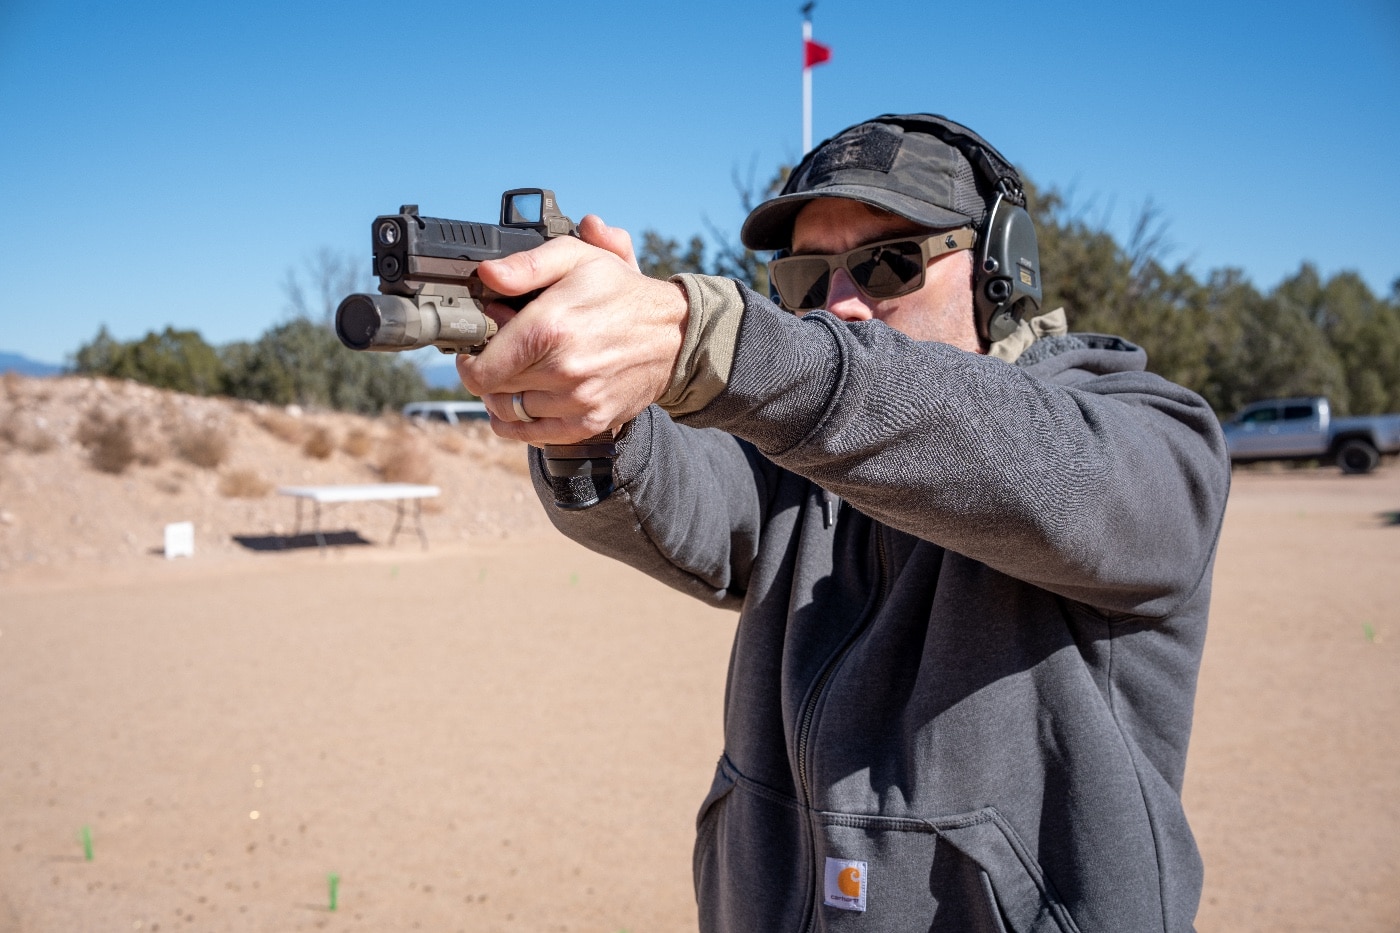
(168, 164)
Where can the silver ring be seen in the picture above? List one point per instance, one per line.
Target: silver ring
(519, 405)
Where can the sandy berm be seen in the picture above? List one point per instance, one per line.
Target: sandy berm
(506, 732)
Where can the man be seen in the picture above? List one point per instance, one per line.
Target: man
(971, 553)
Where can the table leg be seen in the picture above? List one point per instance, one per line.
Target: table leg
(320, 536)
(418, 520)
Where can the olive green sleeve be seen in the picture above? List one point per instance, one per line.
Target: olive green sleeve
(1049, 324)
(707, 353)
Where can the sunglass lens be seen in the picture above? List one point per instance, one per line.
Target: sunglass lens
(801, 282)
(889, 270)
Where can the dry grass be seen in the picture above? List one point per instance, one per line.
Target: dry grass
(27, 432)
(151, 446)
(204, 445)
(320, 443)
(503, 454)
(449, 442)
(358, 443)
(403, 458)
(282, 426)
(111, 446)
(243, 484)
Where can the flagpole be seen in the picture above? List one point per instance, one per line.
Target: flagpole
(806, 79)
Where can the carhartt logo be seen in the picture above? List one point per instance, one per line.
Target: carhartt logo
(845, 884)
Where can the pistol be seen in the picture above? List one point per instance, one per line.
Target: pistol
(431, 296)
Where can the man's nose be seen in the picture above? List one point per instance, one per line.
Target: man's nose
(845, 301)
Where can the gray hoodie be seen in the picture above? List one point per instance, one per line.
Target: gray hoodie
(972, 602)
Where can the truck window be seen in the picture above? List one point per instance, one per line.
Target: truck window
(1260, 416)
(1297, 412)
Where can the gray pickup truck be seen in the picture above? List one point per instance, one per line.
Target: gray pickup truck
(1304, 429)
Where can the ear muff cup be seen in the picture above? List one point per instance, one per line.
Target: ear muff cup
(1006, 280)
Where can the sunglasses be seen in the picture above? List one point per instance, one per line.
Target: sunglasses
(886, 269)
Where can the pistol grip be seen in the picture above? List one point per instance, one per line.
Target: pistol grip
(581, 473)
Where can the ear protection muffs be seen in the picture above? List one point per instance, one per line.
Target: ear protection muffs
(1006, 275)
(1006, 287)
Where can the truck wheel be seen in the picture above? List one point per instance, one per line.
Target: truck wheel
(1357, 456)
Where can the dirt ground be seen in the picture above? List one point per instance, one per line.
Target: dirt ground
(506, 732)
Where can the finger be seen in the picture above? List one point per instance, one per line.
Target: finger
(537, 405)
(615, 240)
(498, 405)
(500, 312)
(535, 268)
(544, 431)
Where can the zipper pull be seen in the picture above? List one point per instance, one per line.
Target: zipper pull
(830, 504)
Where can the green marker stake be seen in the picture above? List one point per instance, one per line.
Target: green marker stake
(394, 572)
(87, 843)
(573, 579)
(1370, 633)
(335, 889)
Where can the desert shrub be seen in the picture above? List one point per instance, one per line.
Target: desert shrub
(404, 459)
(27, 433)
(111, 447)
(243, 484)
(301, 361)
(319, 443)
(450, 442)
(174, 359)
(282, 426)
(204, 445)
(358, 442)
(150, 449)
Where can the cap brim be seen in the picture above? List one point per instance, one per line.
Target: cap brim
(769, 226)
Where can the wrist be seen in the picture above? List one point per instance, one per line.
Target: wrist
(710, 332)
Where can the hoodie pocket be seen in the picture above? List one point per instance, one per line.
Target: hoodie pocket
(748, 875)
(968, 872)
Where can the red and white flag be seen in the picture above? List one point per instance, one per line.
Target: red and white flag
(814, 53)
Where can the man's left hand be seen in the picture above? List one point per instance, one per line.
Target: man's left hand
(589, 353)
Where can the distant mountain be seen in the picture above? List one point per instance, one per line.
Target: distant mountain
(25, 366)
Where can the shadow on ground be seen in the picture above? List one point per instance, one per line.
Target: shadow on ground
(299, 542)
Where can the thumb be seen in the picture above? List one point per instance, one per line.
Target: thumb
(532, 269)
(615, 240)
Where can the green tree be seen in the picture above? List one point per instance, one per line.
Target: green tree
(662, 258)
(303, 362)
(1362, 330)
(1108, 287)
(101, 356)
(172, 359)
(1266, 346)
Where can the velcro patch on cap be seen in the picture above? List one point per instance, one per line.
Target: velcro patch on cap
(872, 147)
(845, 884)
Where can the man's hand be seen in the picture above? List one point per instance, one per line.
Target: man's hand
(589, 353)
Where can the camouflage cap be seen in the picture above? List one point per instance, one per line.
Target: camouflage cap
(886, 164)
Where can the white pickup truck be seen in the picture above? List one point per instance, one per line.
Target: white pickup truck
(1304, 429)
